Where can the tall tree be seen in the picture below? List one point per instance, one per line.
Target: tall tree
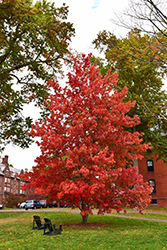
(86, 154)
(34, 38)
(128, 57)
(149, 17)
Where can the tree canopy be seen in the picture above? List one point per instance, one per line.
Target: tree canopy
(129, 57)
(34, 38)
(86, 154)
(149, 17)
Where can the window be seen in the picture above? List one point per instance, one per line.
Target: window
(7, 180)
(154, 202)
(152, 182)
(7, 189)
(150, 166)
(21, 183)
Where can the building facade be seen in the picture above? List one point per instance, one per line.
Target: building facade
(155, 172)
(9, 181)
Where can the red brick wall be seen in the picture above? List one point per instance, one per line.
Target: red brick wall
(159, 175)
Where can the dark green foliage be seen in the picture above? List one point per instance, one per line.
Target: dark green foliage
(135, 58)
(34, 38)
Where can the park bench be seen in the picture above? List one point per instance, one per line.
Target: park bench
(50, 229)
(37, 224)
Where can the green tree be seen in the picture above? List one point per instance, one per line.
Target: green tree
(148, 16)
(34, 38)
(128, 57)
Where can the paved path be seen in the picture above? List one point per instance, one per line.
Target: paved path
(94, 212)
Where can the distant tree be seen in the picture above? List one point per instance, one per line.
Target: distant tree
(86, 154)
(10, 165)
(33, 196)
(128, 57)
(34, 38)
(12, 200)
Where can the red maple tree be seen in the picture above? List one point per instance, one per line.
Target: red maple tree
(86, 153)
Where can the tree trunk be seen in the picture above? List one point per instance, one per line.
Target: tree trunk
(84, 219)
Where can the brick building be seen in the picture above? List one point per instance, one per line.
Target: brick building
(155, 172)
(9, 182)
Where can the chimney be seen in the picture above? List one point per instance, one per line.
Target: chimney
(5, 160)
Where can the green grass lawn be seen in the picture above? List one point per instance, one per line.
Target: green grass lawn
(120, 233)
(152, 208)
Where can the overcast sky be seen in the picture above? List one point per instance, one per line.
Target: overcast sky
(89, 17)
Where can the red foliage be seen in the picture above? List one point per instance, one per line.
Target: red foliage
(86, 153)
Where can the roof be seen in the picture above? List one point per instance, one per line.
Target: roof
(13, 171)
(1, 169)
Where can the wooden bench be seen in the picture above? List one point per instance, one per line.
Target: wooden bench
(50, 229)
